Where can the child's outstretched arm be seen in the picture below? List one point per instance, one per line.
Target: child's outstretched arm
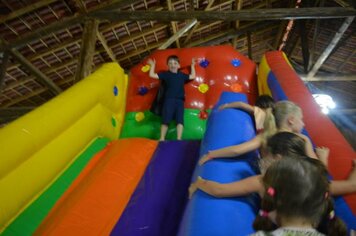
(240, 105)
(243, 187)
(341, 187)
(192, 70)
(233, 151)
(152, 72)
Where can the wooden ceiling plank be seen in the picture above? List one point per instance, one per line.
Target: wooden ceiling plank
(246, 14)
(330, 47)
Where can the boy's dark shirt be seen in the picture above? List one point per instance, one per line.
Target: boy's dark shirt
(173, 84)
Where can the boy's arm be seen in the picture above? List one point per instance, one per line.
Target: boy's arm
(341, 187)
(243, 187)
(233, 151)
(192, 70)
(152, 64)
(240, 105)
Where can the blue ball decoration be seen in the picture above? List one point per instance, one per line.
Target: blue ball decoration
(116, 91)
(236, 62)
(204, 63)
(142, 90)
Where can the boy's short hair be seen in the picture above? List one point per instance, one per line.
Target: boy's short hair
(173, 57)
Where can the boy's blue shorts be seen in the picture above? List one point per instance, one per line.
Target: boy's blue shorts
(173, 109)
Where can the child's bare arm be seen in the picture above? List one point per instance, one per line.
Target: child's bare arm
(341, 187)
(233, 151)
(192, 70)
(323, 154)
(152, 72)
(243, 187)
(308, 147)
(240, 105)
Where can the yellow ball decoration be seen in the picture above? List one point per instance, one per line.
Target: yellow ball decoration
(140, 116)
(203, 88)
(145, 68)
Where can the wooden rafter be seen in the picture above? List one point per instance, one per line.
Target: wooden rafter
(25, 10)
(246, 15)
(330, 47)
(304, 42)
(3, 67)
(178, 34)
(42, 78)
(237, 23)
(173, 24)
(190, 34)
(105, 45)
(87, 50)
(65, 23)
(249, 45)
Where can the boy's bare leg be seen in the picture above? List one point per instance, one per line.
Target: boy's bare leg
(164, 129)
(179, 131)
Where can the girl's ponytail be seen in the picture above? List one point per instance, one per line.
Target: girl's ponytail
(335, 226)
(263, 219)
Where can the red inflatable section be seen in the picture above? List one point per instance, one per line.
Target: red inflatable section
(320, 129)
(221, 68)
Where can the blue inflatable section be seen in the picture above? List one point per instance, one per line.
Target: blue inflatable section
(206, 215)
(342, 210)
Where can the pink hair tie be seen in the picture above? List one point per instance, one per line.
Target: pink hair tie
(326, 195)
(271, 191)
(263, 213)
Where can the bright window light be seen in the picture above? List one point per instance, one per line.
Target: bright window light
(325, 102)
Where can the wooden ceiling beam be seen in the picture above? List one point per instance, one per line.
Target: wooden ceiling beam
(173, 24)
(330, 47)
(237, 23)
(86, 56)
(249, 45)
(3, 67)
(246, 14)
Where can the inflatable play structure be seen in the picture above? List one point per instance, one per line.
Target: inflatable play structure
(88, 162)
